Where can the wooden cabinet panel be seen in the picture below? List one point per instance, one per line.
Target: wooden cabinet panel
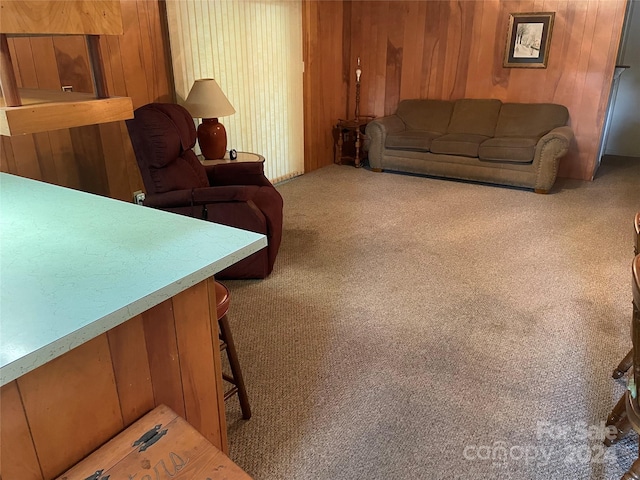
(162, 348)
(196, 342)
(131, 369)
(57, 414)
(82, 383)
(17, 453)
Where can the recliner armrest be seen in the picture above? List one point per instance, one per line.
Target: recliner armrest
(200, 196)
(241, 173)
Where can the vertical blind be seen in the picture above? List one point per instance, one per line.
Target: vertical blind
(253, 48)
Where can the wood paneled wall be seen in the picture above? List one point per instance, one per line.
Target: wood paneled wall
(438, 49)
(97, 158)
(451, 49)
(325, 29)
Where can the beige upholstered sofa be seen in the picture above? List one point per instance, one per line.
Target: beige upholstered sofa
(517, 144)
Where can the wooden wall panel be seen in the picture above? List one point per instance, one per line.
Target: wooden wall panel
(97, 159)
(449, 49)
(325, 86)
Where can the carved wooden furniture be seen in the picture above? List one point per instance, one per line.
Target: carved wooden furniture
(25, 111)
(227, 344)
(626, 413)
(161, 445)
(349, 140)
(631, 396)
(626, 362)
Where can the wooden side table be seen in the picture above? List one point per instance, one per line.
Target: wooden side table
(348, 138)
(242, 157)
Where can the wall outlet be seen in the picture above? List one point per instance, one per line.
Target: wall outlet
(138, 197)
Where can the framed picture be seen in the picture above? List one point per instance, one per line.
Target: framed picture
(528, 40)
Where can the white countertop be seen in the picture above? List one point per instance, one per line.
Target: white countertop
(74, 265)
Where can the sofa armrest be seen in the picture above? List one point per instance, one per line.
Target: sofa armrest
(377, 131)
(241, 173)
(563, 134)
(549, 149)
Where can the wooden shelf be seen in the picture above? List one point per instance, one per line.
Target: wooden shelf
(44, 110)
(24, 111)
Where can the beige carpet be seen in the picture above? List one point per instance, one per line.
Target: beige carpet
(416, 328)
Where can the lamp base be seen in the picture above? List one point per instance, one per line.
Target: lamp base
(212, 138)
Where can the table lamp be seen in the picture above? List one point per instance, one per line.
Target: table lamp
(206, 101)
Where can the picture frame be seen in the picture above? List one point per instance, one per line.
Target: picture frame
(528, 40)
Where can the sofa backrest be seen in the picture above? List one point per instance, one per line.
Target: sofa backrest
(475, 116)
(427, 115)
(530, 119)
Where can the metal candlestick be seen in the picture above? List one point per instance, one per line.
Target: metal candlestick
(358, 74)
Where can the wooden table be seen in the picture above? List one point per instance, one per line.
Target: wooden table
(107, 309)
(348, 137)
(242, 157)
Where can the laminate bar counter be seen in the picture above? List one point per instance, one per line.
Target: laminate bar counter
(107, 309)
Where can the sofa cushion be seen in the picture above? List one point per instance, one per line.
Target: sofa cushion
(530, 119)
(475, 116)
(411, 140)
(510, 149)
(458, 144)
(427, 115)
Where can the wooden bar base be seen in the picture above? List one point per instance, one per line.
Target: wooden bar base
(167, 355)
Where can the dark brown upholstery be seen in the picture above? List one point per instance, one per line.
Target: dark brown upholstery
(234, 194)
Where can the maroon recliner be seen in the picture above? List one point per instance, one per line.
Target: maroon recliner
(234, 194)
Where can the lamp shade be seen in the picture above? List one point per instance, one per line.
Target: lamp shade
(206, 100)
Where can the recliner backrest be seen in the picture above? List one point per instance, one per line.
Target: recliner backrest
(163, 135)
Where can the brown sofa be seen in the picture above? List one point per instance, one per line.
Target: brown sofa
(516, 144)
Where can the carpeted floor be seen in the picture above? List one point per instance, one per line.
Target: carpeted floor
(416, 328)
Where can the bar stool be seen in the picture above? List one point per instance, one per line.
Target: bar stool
(226, 344)
(625, 363)
(631, 396)
(626, 414)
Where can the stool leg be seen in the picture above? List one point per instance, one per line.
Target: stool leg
(625, 364)
(225, 332)
(618, 418)
(634, 472)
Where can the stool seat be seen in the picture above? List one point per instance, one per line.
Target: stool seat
(222, 300)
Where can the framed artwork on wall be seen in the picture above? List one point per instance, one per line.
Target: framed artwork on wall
(528, 40)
